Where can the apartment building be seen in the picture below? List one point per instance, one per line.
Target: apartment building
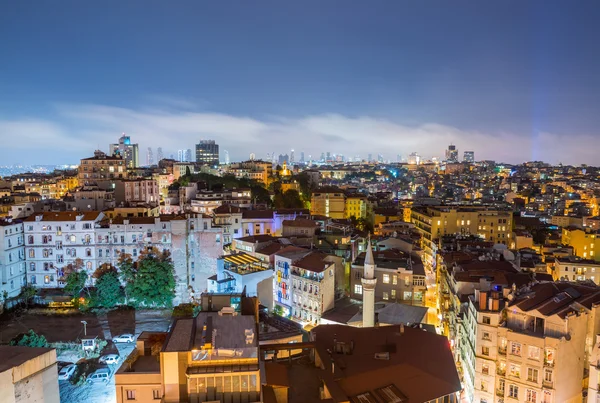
(28, 374)
(532, 351)
(433, 222)
(229, 218)
(102, 170)
(257, 170)
(191, 239)
(12, 258)
(56, 239)
(357, 206)
(573, 268)
(208, 200)
(137, 190)
(313, 287)
(585, 242)
(400, 278)
(329, 202)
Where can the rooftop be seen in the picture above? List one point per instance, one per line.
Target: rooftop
(14, 356)
(64, 216)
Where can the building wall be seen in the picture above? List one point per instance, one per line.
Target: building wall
(576, 271)
(34, 381)
(143, 385)
(328, 204)
(12, 259)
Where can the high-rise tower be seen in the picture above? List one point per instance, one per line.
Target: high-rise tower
(368, 287)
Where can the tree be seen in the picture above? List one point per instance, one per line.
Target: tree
(75, 283)
(27, 293)
(29, 339)
(108, 287)
(152, 280)
(127, 270)
(289, 199)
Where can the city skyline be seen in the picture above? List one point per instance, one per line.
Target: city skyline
(262, 78)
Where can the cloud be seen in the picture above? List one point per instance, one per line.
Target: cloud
(77, 130)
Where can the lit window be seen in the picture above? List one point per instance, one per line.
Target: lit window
(386, 279)
(386, 296)
(394, 279)
(358, 289)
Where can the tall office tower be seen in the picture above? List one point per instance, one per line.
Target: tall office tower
(189, 156)
(451, 154)
(322, 157)
(379, 158)
(149, 157)
(129, 152)
(283, 158)
(227, 161)
(181, 155)
(398, 158)
(328, 159)
(302, 156)
(369, 157)
(159, 154)
(414, 158)
(469, 157)
(207, 152)
(292, 160)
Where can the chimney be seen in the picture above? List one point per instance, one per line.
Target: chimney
(401, 328)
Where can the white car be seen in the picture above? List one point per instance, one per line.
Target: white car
(66, 372)
(109, 359)
(123, 338)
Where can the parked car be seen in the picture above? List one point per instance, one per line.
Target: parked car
(109, 359)
(124, 338)
(101, 375)
(66, 372)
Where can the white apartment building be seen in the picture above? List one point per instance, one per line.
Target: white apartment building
(54, 240)
(193, 242)
(12, 258)
(534, 350)
(573, 268)
(313, 288)
(208, 200)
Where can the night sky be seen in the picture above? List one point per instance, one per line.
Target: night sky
(511, 80)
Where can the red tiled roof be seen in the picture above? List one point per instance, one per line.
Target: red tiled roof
(64, 216)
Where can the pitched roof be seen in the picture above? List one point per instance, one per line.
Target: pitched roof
(227, 209)
(257, 214)
(314, 262)
(65, 216)
(300, 222)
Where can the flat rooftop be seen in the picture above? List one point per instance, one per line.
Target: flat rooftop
(13, 356)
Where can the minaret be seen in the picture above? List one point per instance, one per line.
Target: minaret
(368, 284)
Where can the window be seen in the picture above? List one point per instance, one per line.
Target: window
(45, 253)
(134, 252)
(549, 356)
(484, 386)
(58, 244)
(60, 259)
(486, 336)
(486, 320)
(386, 296)
(531, 396)
(485, 350)
(485, 369)
(532, 374)
(32, 266)
(515, 348)
(30, 239)
(501, 385)
(88, 266)
(33, 281)
(513, 391)
(72, 238)
(31, 253)
(156, 395)
(131, 395)
(393, 294)
(357, 289)
(548, 375)
(386, 279)
(534, 352)
(99, 252)
(394, 279)
(88, 252)
(46, 279)
(515, 370)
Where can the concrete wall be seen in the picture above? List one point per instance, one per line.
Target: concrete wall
(34, 381)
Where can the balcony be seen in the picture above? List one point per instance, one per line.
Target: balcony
(502, 350)
(549, 364)
(499, 392)
(501, 371)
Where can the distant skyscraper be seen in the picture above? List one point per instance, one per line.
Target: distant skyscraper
(414, 159)
(252, 156)
(149, 157)
(189, 156)
(292, 157)
(322, 157)
(129, 152)
(283, 158)
(302, 156)
(207, 152)
(159, 154)
(379, 158)
(469, 156)
(451, 154)
(328, 159)
(226, 156)
(181, 155)
(398, 158)
(369, 157)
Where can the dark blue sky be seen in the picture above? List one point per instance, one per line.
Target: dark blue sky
(512, 80)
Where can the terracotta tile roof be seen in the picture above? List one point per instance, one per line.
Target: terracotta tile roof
(419, 364)
(270, 249)
(227, 209)
(257, 214)
(314, 262)
(300, 222)
(64, 216)
(257, 238)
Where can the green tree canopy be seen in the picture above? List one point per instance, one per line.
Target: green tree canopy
(108, 292)
(289, 199)
(29, 339)
(151, 280)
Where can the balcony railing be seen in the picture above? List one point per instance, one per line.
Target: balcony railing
(499, 392)
(547, 384)
(500, 371)
(502, 350)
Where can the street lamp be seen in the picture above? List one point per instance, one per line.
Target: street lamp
(84, 327)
